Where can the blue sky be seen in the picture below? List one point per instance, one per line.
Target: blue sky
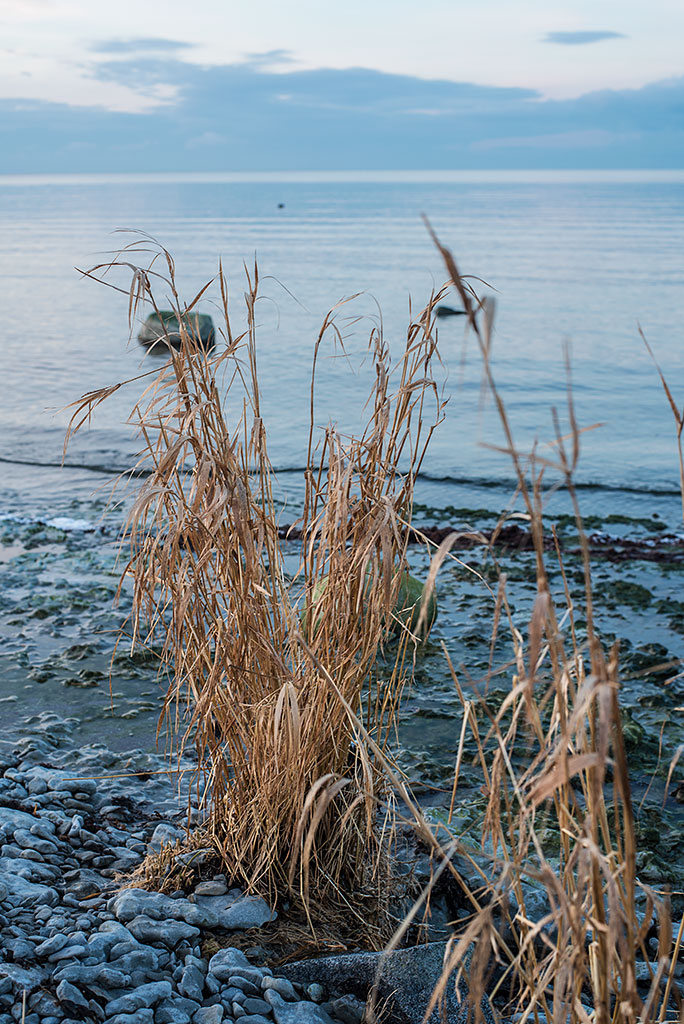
(380, 84)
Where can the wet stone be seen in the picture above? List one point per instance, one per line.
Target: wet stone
(71, 997)
(175, 1010)
(208, 1015)
(296, 1013)
(142, 997)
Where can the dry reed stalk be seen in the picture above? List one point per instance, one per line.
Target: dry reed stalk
(554, 753)
(292, 785)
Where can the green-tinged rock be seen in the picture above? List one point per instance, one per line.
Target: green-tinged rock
(406, 612)
(163, 328)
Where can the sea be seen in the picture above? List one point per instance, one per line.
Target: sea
(581, 266)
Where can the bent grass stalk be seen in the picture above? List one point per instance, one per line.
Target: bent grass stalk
(554, 754)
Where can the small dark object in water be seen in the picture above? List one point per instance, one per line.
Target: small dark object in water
(443, 311)
(163, 328)
(281, 206)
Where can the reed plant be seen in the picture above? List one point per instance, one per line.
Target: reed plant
(269, 677)
(558, 924)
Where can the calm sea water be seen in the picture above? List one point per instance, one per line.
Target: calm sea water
(576, 260)
(581, 260)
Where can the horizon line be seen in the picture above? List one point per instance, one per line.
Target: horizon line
(417, 176)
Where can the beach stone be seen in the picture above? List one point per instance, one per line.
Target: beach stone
(215, 887)
(222, 963)
(163, 835)
(29, 841)
(28, 978)
(175, 1010)
(145, 929)
(315, 992)
(28, 894)
(301, 1012)
(280, 985)
(144, 1016)
(71, 997)
(191, 983)
(142, 997)
(11, 819)
(142, 958)
(255, 1005)
(134, 902)
(244, 984)
(237, 914)
(208, 1015)
(96, 974)
(255, 1018)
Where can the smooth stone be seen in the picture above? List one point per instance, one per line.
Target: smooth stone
(215, 887)
(255, 1005)
(255, 1018)
(137, 959)
(222, 963)
(141, 998)
(145, 929)
(296, 1013)
(98, 974)
(248, 987)
(29, 894)
(247, 912)
(11, 819)
(163, 835)
(280, 985)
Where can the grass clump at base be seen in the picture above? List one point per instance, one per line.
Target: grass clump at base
(269, 678)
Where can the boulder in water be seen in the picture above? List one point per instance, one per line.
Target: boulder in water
(444, 311)
(163, 328)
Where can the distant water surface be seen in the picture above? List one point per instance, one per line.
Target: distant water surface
(581, 259)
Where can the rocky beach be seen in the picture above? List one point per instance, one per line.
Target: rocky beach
(77, 947)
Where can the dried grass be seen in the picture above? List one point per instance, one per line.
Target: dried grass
(559, 819)
(270, 680)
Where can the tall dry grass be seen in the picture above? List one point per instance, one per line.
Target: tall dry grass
(559, 920)
(269, 679)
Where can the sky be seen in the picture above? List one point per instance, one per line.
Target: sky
(438, 84)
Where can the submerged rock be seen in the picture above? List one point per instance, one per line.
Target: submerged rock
(163, 329)
(444, 311)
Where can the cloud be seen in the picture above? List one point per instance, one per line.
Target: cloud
(149, 45)
(580, 38)
(270, 58)
(242, 117)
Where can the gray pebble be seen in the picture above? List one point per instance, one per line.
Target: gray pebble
(71, 997)
(142, 997)
(208, 1015)
(280, 985)
(253, 1005)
